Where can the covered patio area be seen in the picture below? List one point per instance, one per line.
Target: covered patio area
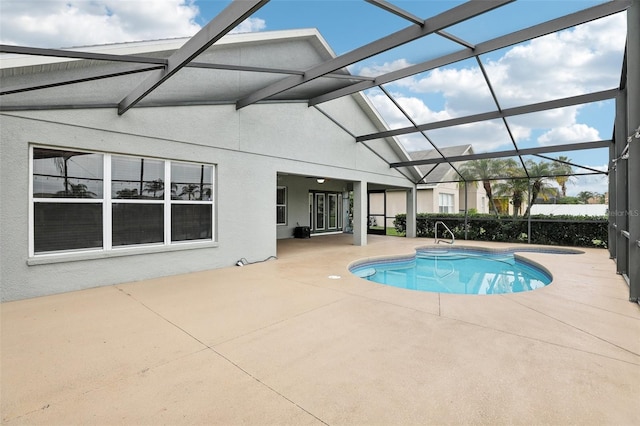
(287, 342)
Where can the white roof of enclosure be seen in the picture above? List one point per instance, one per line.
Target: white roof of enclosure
(504, 109)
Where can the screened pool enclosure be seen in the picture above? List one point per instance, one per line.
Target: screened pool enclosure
(439, 74)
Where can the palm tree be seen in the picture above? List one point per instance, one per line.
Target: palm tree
(539, 178)
(79, 190)
(62, 164)
(517, 189)
(127, 193)
(561, 167)
(584, 196)
(154, 186)
(190, 190)
(484, 170)
(206, 193)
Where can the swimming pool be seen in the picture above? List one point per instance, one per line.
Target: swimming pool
(462, 270)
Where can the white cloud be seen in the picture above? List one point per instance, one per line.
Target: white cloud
(65, 23)
(576, 61)
(413, 106)
(375, 70)
(569, 134)
(584, 59)
(250, 25)
(549, 119)
(484, 136)
(419, 111)
(464, 89)
(592, 183)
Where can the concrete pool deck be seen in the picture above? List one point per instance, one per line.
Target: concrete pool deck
(279, 342)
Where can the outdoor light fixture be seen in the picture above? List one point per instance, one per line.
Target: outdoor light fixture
(320, 180)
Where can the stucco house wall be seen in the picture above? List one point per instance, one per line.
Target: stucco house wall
(245, 147)
(428, 199)
(476, 198)
(250, 148)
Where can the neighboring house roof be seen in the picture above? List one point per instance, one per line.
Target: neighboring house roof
(443, 172)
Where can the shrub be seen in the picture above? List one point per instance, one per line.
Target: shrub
(580, 231)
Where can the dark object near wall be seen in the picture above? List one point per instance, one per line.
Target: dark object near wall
(302, 232)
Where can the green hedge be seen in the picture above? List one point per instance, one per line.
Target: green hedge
(580, 231)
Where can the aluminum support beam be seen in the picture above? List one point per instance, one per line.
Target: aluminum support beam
(509, 177)
(408, 117)
(516, 37)
(493, 115)
(510, 153)
(392, 8)
(466, 209)
(622, 206)
(448, 18)
(611, 240)
(224, 22)
(633, 128)
(591, 169)
(64, 82)
(137, 69)
(613, 197)
(73, 54)
(504, 120)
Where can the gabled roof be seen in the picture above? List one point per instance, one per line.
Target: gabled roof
(234, 67)
(442, 171)
(260, 58)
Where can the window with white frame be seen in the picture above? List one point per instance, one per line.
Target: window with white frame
(191, 201)
(99, 201)
(445, 204)
(137, 201)
(281, 205)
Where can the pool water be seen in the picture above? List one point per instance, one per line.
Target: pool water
(456, 271)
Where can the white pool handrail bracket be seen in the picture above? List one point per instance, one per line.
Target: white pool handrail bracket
(437, 240)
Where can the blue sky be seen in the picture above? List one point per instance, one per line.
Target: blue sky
(575, 61)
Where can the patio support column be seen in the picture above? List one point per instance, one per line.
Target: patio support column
(529, 206)
(620, 212)
(611, 226)
(412, 208)
(633, 123)
(466, 209)
(360, 213)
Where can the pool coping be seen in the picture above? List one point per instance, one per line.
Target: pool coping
(381, 260)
